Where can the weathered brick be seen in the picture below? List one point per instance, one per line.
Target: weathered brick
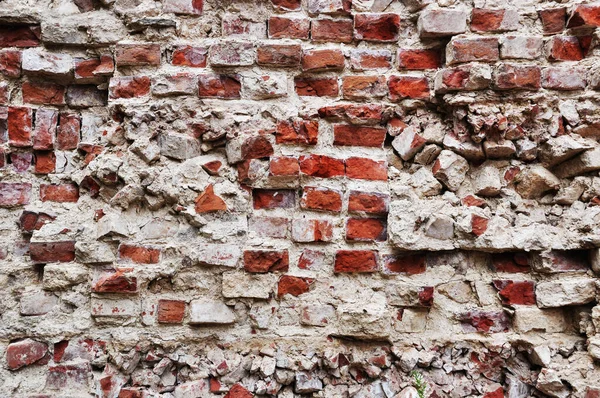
(189, 56)
(288, 28)
(139, 254)
(284, 166)
(513, 76)
(86, 96)
(25, 352)
(377, 27)
(238, 391)
(566, 48)
(10, 63)
(45, 162)
(293, 285)
(478, 224)
(585, 16)
(361, 261)
(515, 292)
(409, 264)
(279, 55)
(465, 77)
(115, 282)
(441, 22)
(305, 230)
(188, 7)
(363, 87)
(333, 7)
(21, 161)
(19, 126)
(334, 30)
(177, 84)
(349, 135)
(208, 201)
(36, 62)
(367, 59)
(355, 114)
(321, 199)
(75, 376)
(19, 35)
(61, 193)
(311, 259)
(413, 87)
(322, 60)
(287, 5)
(270, 227)
(94, 70)
(170, 311)
(510, 262)
(488, 20)
(67, 134)
(260, 261)
(564, 79)
(319, 87)
(129, 87)
(219, 86)
(137, 54)
(419, 59)
(553, 20)
(481, 49)
(43, 93)
(273, 198)
(52, 252)
(485, 321)
(366, 169)
(46, 121)
(368, 202)
(240, 26)
(321, 166)
(14, 194)
(232, 53)
(366, 229)
(521, 47)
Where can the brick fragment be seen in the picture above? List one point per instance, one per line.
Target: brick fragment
(366, 169)
(280, 55)
(513, 76)
(208, 202)
(485, 321)
(366, 229)
(273, 198)
(481, 49)
(139, 254)
(510, 262)
(25, 352)
(20, 35)
(410, 264)
(321, 166)
(563, 79)
(186, 7)
(585, 16)
(489, 20)
(360, 261)
(478, 224)
(10, 63)
(115, 282)
(367, 59)
(238, 391)
(189, 56)
(170, 311)
(319, 87)
(333, 30)
(419, 59)
(553, 20)
(363, 87)
(261, 261)
(321, 199)
(377, 27)
(515, 292)
(14, 194)
(288, 28)
(94, 70)
(463, 78)
(219, 86)
(368, 202)
(293, 285)
(350, 135)
(413, 87)
(60, 193)
(129, 87)
(19, 126)
(322, 60)
(566, 48)
(52, 252)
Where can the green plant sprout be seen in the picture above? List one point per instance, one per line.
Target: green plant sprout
(420, 383)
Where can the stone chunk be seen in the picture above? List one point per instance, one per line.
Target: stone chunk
(450, 169)
(557, 261)
(559, 149)
(408, 143)
(367, 319)
(568, 292)
(528, 318)
(210, 312)
(245, 285)
(486, 181)
(584, 163)
(59, 275)
(42, 63)
(179, 146)
(534, 181)
(307, 383)
(441, 22)
(37, 303)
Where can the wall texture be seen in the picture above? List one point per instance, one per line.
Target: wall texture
(299, 198)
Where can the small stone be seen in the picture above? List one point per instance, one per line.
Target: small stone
(450, 169)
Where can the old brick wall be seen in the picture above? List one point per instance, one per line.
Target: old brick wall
(299, 198)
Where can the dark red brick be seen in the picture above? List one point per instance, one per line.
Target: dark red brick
(261, 261)
(362, 261)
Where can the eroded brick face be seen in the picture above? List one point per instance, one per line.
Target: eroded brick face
(285, 198)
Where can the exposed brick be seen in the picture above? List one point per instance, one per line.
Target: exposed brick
(521, 47)
(19, 126)
(362, 261)
(305, 230)
(481, 49)
(32, 221)
(271, 227)
(509, 76)
(232, 53)
(333, 7)
(321, 199)
(478, 224)
(366, 229)
(279, 55)
(20, 35)
(377, 27)
(287, 5)
(366, 169)
(24, 353)
(565, 48)
(349, 135)
(14, 194)
(187, 7)
(413, 87)
(115, 282)
(61, 193)
(363, 87)
(86, 96)
(553, 20)
(219, 86)
(320, 87)
(139, 254)
(129, 87)
(273, 198)
(321, 166)
(311, 259)
(46, 121)
(43, 93)
(45, 162)
(465, 77)
(189, 56)
(510, 262)
(208, 202)
(410, 264)
(67, 134)
(367, 59)
(21, 161)
(583, 16)
(170, 311)
(322, 60)
(564, 79)
(94, 70)
(10, 63)
(356, 114)
(302, 132)
(340, 30)
(288, 28)
(488, 20)
(515, 292)
(260, 261)
(52, 252)
(293, 285)
(137, 54)
(419, 59)
(368, 202)
(238, 391)
(441, 22)
(284, 166)
(485, 321)
(256, 147)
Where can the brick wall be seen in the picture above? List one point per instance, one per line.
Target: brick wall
(299, 198)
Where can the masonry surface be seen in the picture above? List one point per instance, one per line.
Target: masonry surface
(299, 198)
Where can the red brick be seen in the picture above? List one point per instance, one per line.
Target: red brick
(189, 56)
(321, 166)
(377, 27)
(563, 79)
(340, 30)
(14, 194)
(129, 87)
(288, 28)
(306, 230)
(481, 49)
(261, 261)
(566, 48)
(478, 224)
(321, 199)
(460, 78)
(356, 261)
(61, 193)
(139, 254)
(212, 167)
(510, 262)
(293, 285)
(553, 20)
(21, 161)
(284, 166)
(46, 121)
(67, 135)
(19, 35)
(115, 282)
(368, 202)
(413, 87)
(322, 60)
(279, 55)
(24, 353)
(410, 264)
(170, 311)
(507, 77)
(356, 114)
(52, 252)
(366, 59)
(583, 16)
(419, 59)
(319, 87)
(363, 87)
(256, 147)
(287, 5)
(515, 292)
(95, 69)
(488, 20)
(498, 393)
(485, 321)
(592, 392)
(311, 259)
(297, 132)
(473, 201)
(366, 229)
(43, 93)
(208, 202)
(19, 126)
(238, 391)
(366, 169)
(219, 86)
(137, 54)
(10, 63)
(31, 221)
(349, 135)
(273, 198)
